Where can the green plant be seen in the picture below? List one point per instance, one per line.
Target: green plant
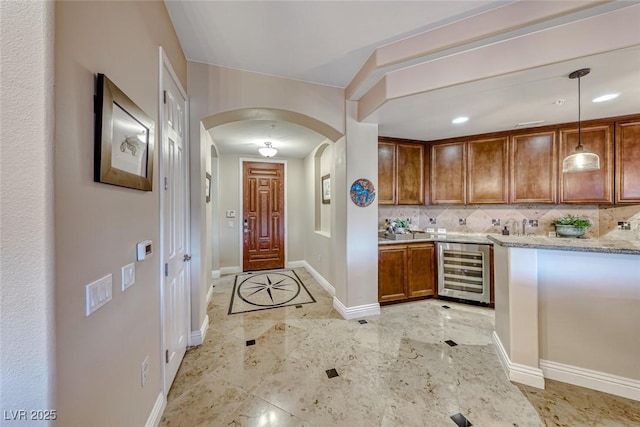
(574, 220)
(402, 223)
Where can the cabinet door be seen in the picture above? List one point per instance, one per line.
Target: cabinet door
(410, 167)
(487, 177)
(386, 173)
(392, 273)
(594, 186)
(627, 149)
(534, 168)
(448, 171)
(421, 270)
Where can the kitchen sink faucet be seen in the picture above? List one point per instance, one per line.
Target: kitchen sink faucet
(524, 225)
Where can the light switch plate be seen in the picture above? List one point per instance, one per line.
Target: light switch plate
(231, 214)
(98, 293)
(128, 275)
(442, 230)
(431, 230)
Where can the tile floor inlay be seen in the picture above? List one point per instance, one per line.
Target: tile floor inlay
(265, 290)
(393, 371)
(331, 373)
(362, 322)
(446, 307)
(451, 343)
(461, 420)
(251, 342)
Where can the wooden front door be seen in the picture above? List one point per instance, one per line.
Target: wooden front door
(263, 216)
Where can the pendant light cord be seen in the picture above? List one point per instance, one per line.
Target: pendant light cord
(579, 115)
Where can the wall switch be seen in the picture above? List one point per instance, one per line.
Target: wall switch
(144, 370)
(128, 275)
(231, 214)
(98, 294)
(442, 230)
(431, 230)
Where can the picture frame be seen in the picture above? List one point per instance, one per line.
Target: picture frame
(207, 187)
(123, 141)
(326, 189)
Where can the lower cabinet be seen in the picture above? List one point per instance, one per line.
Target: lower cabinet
(406, 271)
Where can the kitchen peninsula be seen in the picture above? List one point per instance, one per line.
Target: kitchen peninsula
(569, 310)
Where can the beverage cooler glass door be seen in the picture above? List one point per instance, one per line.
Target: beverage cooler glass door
(464, 271)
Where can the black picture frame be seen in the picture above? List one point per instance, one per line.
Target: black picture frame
(325, 189)
(123, 140)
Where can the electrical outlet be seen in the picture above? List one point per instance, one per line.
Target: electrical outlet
(144, 370)
(624, 225)
(533, 223)
(462, 221)
(431, 230)
(495, 221)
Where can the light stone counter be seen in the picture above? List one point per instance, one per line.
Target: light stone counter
(481, 239)
(568, 244)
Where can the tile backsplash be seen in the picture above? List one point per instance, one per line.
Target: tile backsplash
(485, 219)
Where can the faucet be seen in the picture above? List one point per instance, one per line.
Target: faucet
(524, 225)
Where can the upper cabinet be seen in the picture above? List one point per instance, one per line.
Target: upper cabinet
(588, 187)
(448, 174)
(488, 164)
(534, 168)
(401, 172)
(627, 148)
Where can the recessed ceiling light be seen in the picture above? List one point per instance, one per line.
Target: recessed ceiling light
(459, 120)
(606, 97)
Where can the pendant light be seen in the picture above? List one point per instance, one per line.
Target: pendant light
(268, 150)
(580, 160)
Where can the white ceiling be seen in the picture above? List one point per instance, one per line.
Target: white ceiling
(327, 42)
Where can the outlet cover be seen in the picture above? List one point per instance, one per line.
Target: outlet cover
(128, 275)
(144, 370)
(98, 294)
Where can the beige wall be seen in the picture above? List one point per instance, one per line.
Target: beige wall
(98, 225)
(230, 190)
(326, 162)
(27, 356)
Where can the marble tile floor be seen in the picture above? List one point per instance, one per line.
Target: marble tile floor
(393, 370)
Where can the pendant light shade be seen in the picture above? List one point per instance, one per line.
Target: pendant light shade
(267, 150)
(580, 160)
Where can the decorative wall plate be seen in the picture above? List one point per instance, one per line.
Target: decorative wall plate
(363, 193)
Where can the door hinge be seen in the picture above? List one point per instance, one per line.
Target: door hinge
(166, 269)
(166, 183)
(164, 96)
(166, 356)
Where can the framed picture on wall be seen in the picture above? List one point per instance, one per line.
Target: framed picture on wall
(207, 187)
(326, 189)
(124, 138)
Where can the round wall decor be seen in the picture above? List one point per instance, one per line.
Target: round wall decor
(363, 193)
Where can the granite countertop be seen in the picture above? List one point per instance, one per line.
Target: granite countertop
(568, 244)
(449, 237)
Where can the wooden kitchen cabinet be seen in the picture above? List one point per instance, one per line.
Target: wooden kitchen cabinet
(534, 168)
(387, 173)
(627, 151)
(487, 166)
(587, 187)
(401, 172)
(448, 173)
(406, 271)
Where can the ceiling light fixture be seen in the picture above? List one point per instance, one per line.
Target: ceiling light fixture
(580, 160)
(607, 97)
(267, 150)
(459, 120)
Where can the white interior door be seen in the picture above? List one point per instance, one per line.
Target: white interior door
(175, 225)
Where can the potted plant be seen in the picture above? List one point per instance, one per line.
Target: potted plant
(401, 225)
(571, 225)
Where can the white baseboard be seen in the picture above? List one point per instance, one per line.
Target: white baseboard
(595, 380)
(156, 412)
(320, 279)
(296, 264)
(197, 337)
(215, 274)
(356, 312)
(209, 295)
(517, 372)
(230, 270)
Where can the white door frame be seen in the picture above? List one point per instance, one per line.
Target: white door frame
(241, 208)
(165, 64)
